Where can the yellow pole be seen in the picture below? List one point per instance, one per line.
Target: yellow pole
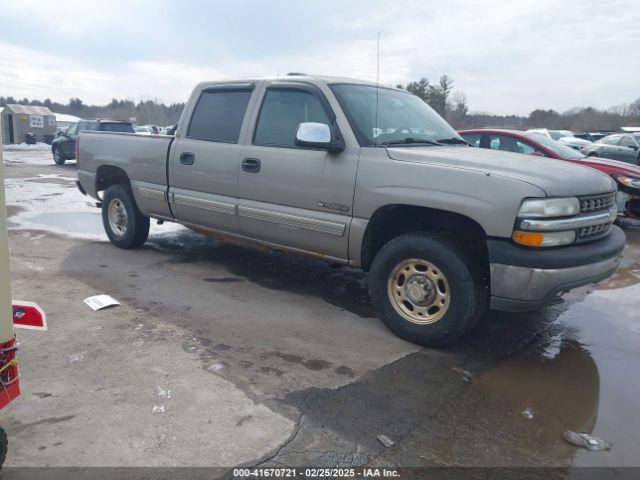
(6, 313)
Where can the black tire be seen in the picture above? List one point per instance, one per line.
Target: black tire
(467, 288)
(135, 226)
(58, 156)
(4, 446)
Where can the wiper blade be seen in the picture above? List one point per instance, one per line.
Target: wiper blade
(453, 141)
(409, 141)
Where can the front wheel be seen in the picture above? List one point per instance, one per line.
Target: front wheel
(58, 157)
(426, 290)
(125, 225)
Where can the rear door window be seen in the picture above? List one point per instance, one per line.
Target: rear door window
(219, 114)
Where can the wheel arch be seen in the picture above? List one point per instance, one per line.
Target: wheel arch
(391, 221)
(108, 175)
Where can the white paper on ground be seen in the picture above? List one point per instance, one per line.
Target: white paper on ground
(98, 302)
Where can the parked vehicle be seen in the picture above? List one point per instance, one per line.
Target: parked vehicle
(365, 176)
(63, 146)
(626, 176)
(564, 136)
(148, 129)
(620, 146)
(169, 130)
(584, 136)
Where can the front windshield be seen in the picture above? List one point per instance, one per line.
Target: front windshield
(556, 147)
(401, 116)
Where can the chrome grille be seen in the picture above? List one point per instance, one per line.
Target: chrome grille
(593, 232)
(598, 202)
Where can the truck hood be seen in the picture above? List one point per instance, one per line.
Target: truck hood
(556, 178)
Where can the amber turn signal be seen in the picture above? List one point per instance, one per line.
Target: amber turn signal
(532, 239)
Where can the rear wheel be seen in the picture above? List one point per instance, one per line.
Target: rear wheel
(426, 290)
(125, 225)
(58, 157)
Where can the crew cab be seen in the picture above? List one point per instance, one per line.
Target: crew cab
(368, 176)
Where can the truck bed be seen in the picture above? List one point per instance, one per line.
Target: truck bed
(143, 158)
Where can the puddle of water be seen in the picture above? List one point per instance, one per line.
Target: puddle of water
(584, 379)
(78, 223)
(609, 323)
(546, 397)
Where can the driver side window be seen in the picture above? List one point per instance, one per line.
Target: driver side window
(281, 113)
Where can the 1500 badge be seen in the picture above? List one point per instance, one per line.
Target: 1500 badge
(334, 206)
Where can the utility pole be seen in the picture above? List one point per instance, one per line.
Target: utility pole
(6, 313)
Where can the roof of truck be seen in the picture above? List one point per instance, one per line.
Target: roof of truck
(296, 77)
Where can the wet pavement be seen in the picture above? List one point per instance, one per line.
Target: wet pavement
(300, 338)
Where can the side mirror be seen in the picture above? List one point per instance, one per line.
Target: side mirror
(317, 135)
(633, 147)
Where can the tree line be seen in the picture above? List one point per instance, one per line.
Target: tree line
(441, 96)
(145, 112)
(453, 106)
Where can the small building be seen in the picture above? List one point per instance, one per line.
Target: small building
(19, 120)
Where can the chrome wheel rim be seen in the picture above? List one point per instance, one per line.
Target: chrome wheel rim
(419, 291)
(118, 220)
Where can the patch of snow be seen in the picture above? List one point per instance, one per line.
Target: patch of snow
(24, 146)
(51, 202)
(552, 350)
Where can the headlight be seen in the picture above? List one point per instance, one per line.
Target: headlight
(544, 239)
(549, 207)
(629, 181)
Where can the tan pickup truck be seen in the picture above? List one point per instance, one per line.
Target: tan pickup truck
(365, 176)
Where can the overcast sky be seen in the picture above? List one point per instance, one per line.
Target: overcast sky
(508, 56)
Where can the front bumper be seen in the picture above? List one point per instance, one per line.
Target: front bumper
(527, 279)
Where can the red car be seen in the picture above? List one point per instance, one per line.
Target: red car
(627, 176)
